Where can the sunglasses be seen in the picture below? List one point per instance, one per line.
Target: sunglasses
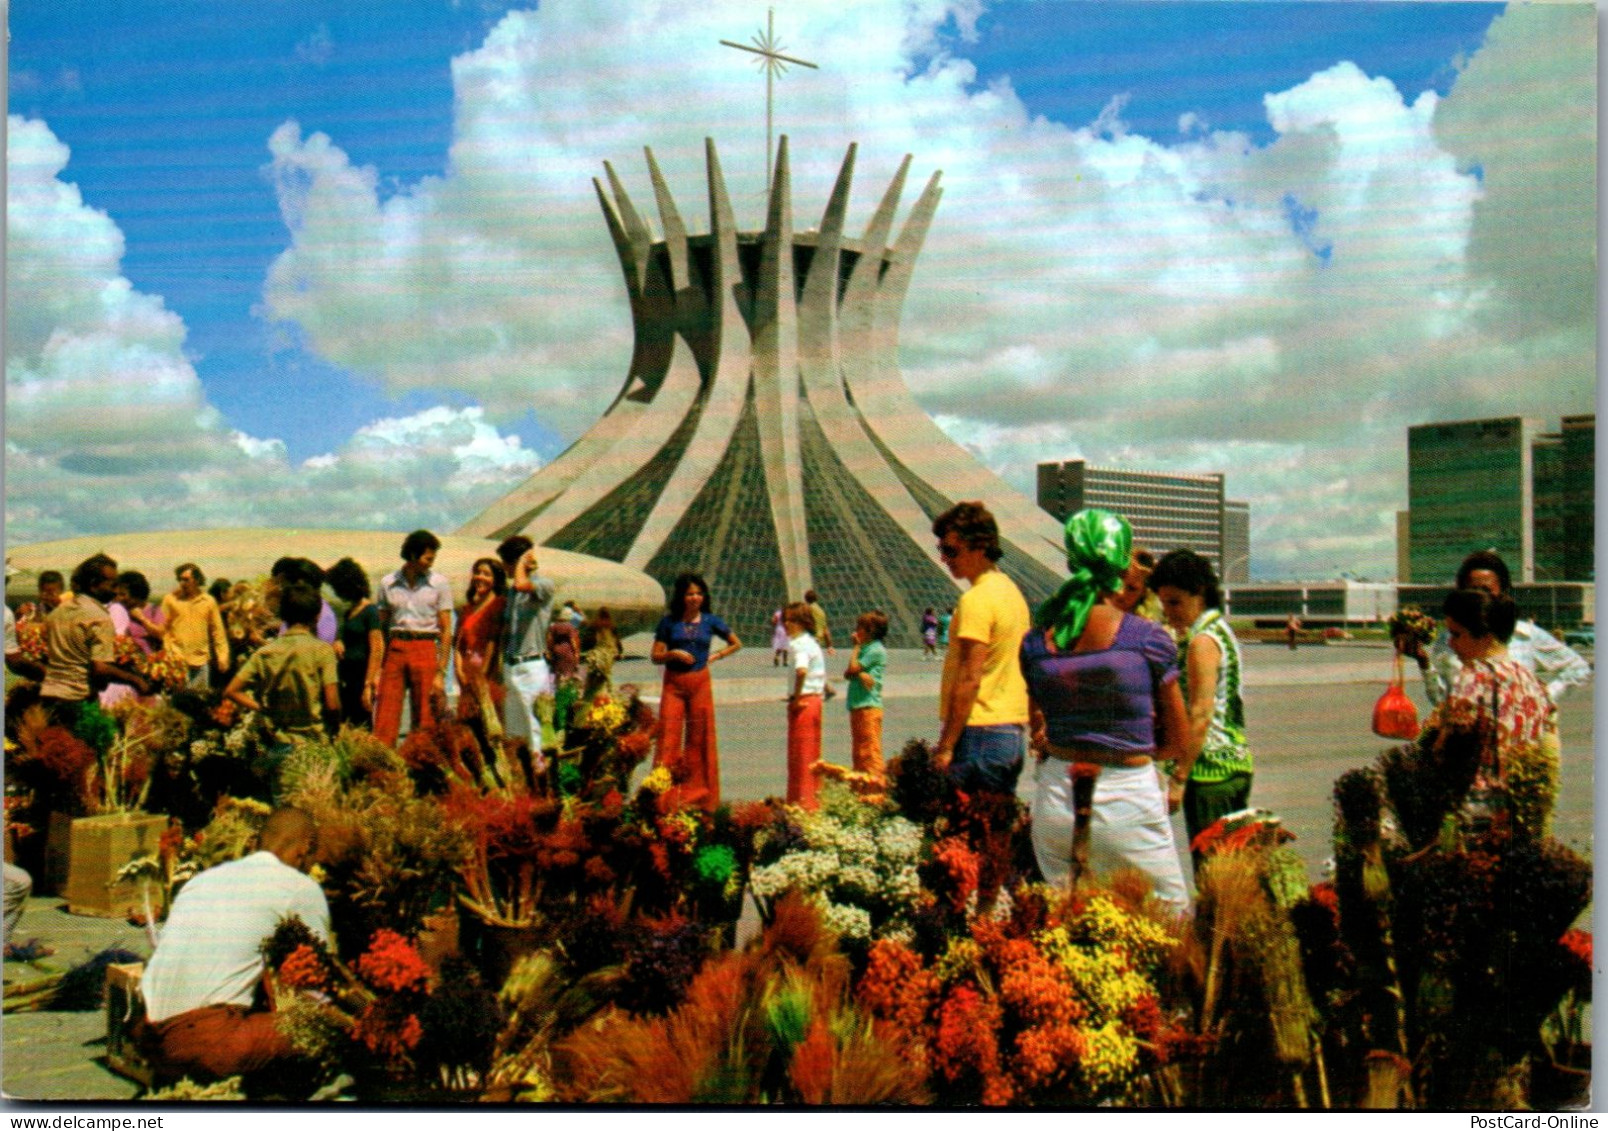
(946, 551)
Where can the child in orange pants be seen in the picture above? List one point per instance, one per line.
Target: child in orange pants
(806, 665)
(864, 676)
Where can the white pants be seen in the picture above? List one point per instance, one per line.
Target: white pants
(523, 682)
(1128, 828)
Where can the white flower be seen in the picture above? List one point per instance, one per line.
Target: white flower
(850, 922)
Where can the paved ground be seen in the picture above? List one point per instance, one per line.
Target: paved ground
(1308, 714)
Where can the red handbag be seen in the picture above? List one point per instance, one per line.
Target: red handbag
(1394, 715)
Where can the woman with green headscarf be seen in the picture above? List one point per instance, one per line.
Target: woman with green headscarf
(1104, 690)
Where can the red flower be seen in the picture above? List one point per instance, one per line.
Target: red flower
(383, 1035)
(1324, 895)
(391, 963)
(303, 969)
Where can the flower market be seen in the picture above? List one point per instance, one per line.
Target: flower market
(556, 923)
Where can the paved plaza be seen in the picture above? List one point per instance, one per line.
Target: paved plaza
(1308, 714)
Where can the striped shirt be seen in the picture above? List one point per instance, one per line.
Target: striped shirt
(1225, 753)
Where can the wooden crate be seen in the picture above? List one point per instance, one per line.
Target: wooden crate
(124, 1007)
(98, 848)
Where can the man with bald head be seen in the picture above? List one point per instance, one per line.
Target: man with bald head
(200, 983)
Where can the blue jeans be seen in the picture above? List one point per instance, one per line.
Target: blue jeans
(989, 758)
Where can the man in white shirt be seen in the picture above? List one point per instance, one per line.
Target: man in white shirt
(415, 604)
(1557, 665)
(199, 985)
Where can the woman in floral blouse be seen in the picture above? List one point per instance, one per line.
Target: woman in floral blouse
(1492, 692)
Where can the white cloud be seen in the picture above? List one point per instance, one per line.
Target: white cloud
(1282, 312)
(1301, 302)
(108, 427)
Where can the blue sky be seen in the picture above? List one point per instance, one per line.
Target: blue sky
(254, 164)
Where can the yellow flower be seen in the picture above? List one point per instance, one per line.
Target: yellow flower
(317, 874)
(658, 781)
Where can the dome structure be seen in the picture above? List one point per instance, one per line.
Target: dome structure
(764, 435)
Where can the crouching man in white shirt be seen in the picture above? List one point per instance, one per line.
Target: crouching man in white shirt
(199, 985)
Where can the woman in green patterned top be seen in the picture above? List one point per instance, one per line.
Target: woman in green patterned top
(1215, 771)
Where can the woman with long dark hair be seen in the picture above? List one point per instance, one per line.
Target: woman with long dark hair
(1214, 773)
(687, 705)
(360, 645)
(474, 646)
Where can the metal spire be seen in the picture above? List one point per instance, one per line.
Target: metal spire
(773, 63)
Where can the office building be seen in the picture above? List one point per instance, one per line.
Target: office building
(1501, 484)
(1168, 511)
(1236, 541)
(1470, 487)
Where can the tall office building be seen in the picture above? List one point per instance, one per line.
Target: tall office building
(1167, 511)
(1565, 521)
(1470, 487)
(1501, 484)
(1236, 541)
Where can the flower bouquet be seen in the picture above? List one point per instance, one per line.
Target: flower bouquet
(1413, 624)
(167, 671)
(772, 1024)
(250, 615)
(382, 1018)
(31, 641)
(856, 861)
(1058, 1002)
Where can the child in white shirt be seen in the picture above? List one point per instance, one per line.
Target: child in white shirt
(806, 665)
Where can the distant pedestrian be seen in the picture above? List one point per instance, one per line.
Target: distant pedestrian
(945, 619)
(806, 665)
(415, 605)
(681, 643)
(1216, 764)
(52, 592)
(360, 646)
(1558, 666)
(778, 640)
(1292, 631)
(288, 571)
(864, 675)
(1135, 596)
(564, 649)
(145, 619)
(601, 640)
(79, 653)
(529, 611)
(823, 630)
(929, 634)
(194, 629)
(219, 590)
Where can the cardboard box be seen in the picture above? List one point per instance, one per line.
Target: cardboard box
(98, 848)
(124, 1006)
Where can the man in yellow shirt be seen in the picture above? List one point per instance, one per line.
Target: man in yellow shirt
(983, 696)
(194, 626)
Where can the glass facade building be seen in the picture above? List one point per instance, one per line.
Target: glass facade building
(1505, 485)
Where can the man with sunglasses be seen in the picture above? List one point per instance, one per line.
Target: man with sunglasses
(983, 697)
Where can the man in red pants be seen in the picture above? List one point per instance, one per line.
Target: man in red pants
(200, 985)
(415, 604)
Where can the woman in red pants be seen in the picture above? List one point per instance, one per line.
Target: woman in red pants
(687, 706)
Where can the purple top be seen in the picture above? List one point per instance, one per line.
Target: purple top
(325, 628)
(676, 633)
(1104, 698)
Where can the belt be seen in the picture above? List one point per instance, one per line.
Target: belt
(407, 634)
